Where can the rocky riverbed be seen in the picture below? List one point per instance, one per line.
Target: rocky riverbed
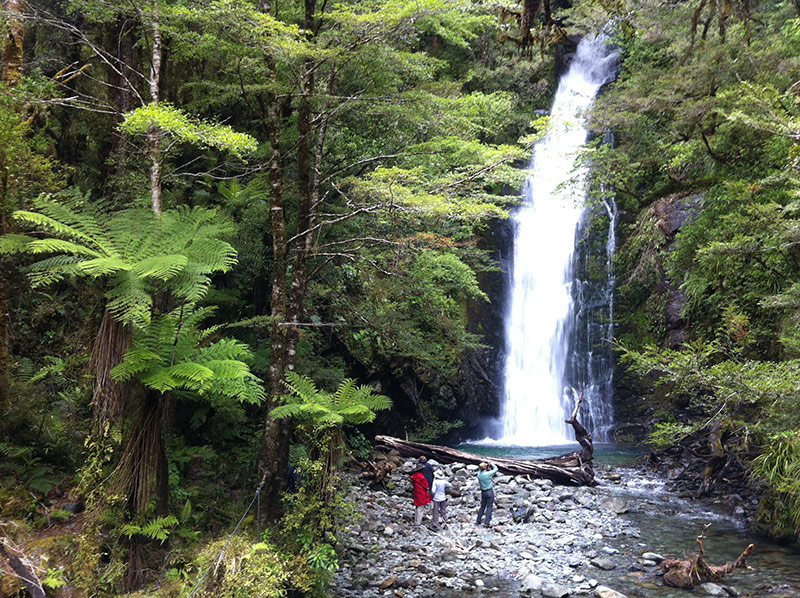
(564, 550)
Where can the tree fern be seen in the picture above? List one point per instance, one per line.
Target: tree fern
(167, 355)
(134, 250)
(349, 404)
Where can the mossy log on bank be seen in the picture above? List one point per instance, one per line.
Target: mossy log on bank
(572, 469)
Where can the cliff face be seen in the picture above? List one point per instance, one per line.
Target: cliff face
(649, 304)
(483, 369)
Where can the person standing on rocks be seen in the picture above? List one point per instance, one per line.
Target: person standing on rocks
(421, 492)
(440, 484)
(487, 470)
(427, 469)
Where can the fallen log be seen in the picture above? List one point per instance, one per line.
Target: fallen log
(695, 571)
(572, 469)
(22, 567)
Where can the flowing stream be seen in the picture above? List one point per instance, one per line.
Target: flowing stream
(541, 320)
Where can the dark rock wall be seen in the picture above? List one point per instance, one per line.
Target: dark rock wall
(649, 305)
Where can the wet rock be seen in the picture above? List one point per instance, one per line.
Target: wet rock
(711, 589)
(574, 561)
(606, 592)
(388, 582)
(652, 556)
(731, 591)
(604, 563)
(554, 590)
(615, 505)
(531, 583)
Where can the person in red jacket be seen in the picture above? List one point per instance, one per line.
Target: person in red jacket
(421, 492)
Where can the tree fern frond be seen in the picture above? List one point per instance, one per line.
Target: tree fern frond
(224, 349)
(103, 265)
(43, 221)
(193, 374)
(227, 368)
(129, 300)
(52, 245)
(357, 414)
(302, 386)
(376, 402)
(212, 255)
(12, 243)
(80, 213)
(161, 380)
(52, 269)
(133, 362)
(289, 410)
(162, 267)
(344, 394)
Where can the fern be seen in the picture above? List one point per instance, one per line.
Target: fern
(155, 529)
(132, 249)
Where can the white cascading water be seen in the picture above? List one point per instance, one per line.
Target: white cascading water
(537, 399)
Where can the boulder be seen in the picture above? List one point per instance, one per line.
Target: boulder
(615, 505)
(604, 563)
(531, 583)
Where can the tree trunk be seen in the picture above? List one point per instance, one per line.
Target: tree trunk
(529, 9)
(274, 453)
(112, 340)
(23, 569)
(567, 469)
(573, 469)
(154, 134)
(12, 44)
(11, 74)
(5, 360)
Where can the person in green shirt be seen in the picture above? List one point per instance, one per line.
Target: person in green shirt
(487, 470)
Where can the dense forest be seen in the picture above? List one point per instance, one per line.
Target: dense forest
(239, 236)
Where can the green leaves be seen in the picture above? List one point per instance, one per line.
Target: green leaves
(158, 528)
(171, 120)
(170, 354)
(348, 404)
(134, 250)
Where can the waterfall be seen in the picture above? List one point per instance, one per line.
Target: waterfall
(591, 361)
(541, 319)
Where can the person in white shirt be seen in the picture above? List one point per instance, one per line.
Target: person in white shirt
(440, 484)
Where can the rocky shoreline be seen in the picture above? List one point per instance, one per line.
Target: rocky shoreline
(564, 549)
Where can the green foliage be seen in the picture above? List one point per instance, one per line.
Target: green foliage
(158, 528)
(348, 404)
(133, 249)
(173, 352)
(779, 468)
(171, 120)
(21, 466)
